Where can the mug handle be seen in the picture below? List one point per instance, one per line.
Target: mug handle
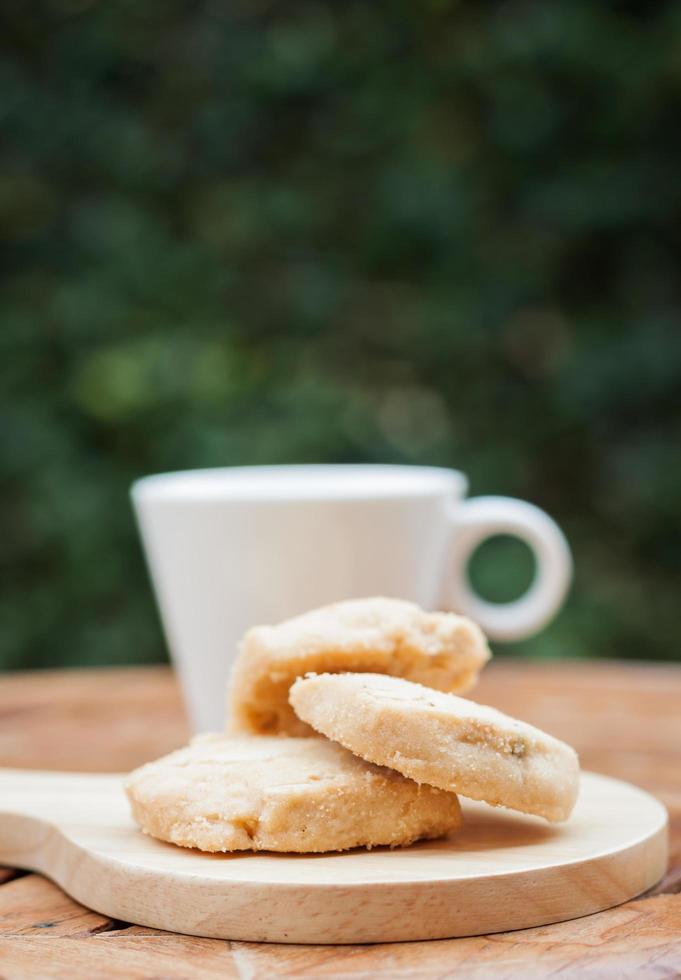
(482, 517)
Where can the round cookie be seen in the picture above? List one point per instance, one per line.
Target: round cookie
(378, 635)
(263, 793)
(443, 740)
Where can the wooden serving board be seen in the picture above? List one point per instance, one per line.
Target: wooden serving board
(502, 871)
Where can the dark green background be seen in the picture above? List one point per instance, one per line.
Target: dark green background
(246, 232)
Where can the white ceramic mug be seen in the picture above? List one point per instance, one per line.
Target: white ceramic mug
(235, 547)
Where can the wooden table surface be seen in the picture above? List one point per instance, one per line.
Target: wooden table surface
(623, 719)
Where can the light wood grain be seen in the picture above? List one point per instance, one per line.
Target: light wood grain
(623, 717)
(29, 906)
(502, 871)
(99, 720)
(132, 958)
(639, 939)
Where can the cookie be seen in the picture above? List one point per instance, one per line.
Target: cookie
(260, 793)
(390, 636)
(442, 740)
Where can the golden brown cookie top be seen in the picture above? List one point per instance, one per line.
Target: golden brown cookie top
(392, 636)
(443, 740)
(224, 793)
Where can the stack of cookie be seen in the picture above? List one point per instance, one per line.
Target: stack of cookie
(346, 730)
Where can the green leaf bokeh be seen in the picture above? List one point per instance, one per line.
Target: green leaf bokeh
(257, 232)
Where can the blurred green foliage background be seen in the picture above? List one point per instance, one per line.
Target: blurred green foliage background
(256, 231)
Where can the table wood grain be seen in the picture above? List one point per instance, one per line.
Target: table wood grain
(624, 720)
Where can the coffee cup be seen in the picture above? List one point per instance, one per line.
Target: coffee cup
(235, 547)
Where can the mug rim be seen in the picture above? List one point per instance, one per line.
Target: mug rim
(231, 484)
